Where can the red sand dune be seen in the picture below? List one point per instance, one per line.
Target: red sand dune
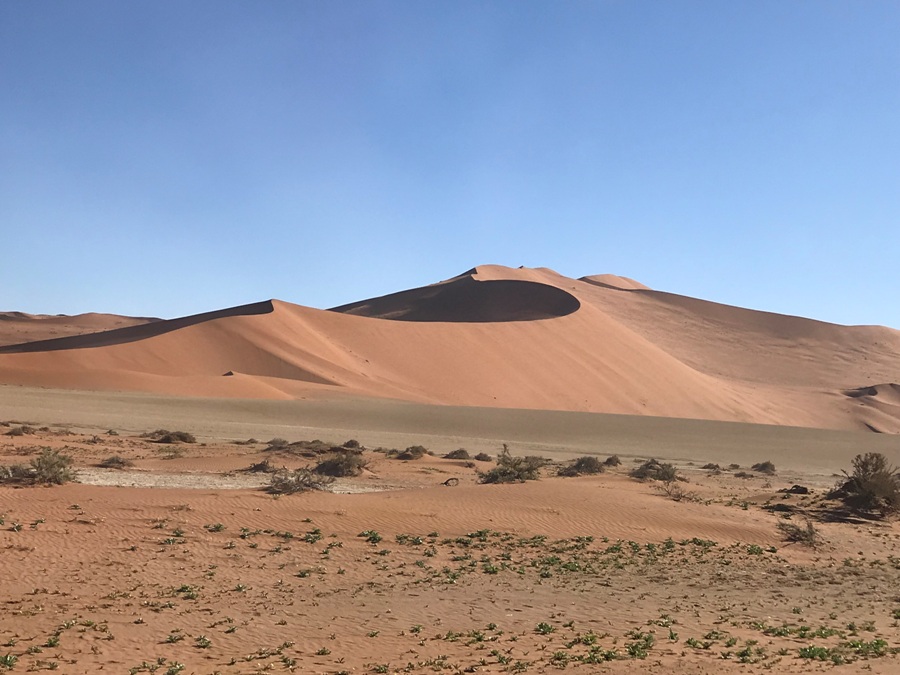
(18, 327)
(494, 336)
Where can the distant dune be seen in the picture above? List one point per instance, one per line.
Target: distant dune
(18, 327)
(501, 337)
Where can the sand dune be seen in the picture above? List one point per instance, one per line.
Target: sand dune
(501, 337)
(18, 327)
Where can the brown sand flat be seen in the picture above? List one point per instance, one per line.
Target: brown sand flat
(498, 337)
(394, 572)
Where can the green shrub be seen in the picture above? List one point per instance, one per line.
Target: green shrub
(873, 487)
(341, 464)
(52, 467)
(583, 466)
(511, 469)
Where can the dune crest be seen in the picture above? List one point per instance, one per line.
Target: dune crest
(500, 337)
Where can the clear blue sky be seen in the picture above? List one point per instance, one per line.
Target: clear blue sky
(171, 157)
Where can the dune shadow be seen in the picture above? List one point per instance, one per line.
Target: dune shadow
(119, 336)
(467, 300)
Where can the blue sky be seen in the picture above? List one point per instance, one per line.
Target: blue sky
(169, 157)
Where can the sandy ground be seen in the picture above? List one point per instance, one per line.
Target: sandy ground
(182, 563)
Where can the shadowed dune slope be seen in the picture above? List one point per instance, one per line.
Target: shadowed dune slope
(137, 331)
(19, 327)
(501, 337)
(466, 299)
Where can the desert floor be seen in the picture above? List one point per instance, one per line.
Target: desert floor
(182, 562)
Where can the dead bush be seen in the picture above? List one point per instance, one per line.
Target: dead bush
(116, 462)
(286, 482)
(261, 467)
(808, 536)
(341, 464)
(582, 466)
(23, 430)
(654, 470)
(413, 452)
(766, 467)
(460, 453)
(483, 457)
(166, 436)
(612, 460)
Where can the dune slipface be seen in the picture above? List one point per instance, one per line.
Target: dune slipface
(501, 337)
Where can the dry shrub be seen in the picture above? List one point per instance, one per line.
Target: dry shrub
(654, 470)
(583, 466)
(873, 487)
(483, 457)
(766, 467)
(413, 452)
(261, 467)
(23, 430)
(808, 536)
(612, 460)
(511, 469)
(116, 462)
(460, 453)
(286, 482)
(341, 464)
(166, 436)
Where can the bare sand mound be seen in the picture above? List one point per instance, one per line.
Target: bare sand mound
(499, 337)
(19, 327)
(615, 281)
